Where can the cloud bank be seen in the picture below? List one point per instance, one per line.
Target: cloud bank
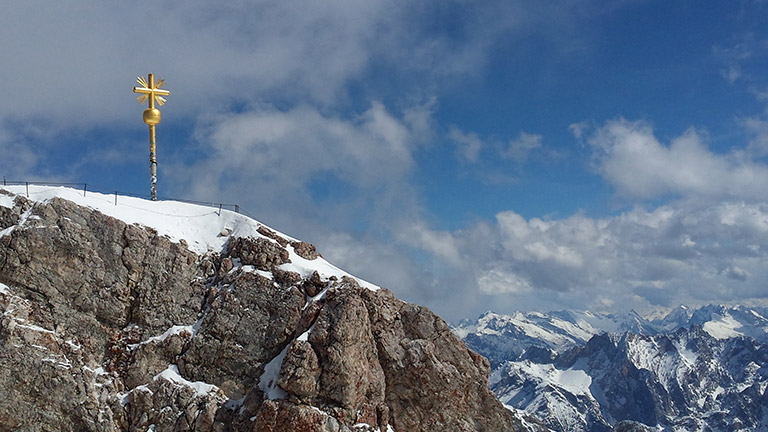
(320, 120)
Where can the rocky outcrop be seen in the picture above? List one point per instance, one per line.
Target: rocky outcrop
(107, 326)
(632, 426)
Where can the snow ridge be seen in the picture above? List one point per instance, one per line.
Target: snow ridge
(198, 227)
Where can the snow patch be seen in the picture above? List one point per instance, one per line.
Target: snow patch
(306, 267)
(34, 327)
(73, 345)
(59, 360)
(725, 328)
(4, 288)
(574, 381)
(6, 201)
(172, 374)
(688, 356)
(191, 329)
(305, 336)
(254, 270)
(268, 380)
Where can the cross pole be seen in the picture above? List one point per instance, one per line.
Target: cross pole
(151, 92)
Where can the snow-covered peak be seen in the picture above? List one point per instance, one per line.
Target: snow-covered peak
(202, 228)
(553, 328)
(724, 322)
(558, 327)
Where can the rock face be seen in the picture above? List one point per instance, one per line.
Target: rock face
(106, 326)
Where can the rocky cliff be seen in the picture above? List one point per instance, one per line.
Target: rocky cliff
(108, 325)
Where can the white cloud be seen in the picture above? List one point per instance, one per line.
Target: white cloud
(734, 56)
(758, 129)
(520, 147)
(441, 244)
(207, 53)
(468, 145)
(629, 156)
(500, 281)
(684, 252)
(373, 260)
(75, 62)
(307, 170)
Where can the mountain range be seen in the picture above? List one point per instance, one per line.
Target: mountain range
(698, 369)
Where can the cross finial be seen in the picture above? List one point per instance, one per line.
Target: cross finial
(151, 91)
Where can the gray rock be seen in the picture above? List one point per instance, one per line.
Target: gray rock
(111, 327)
(631, 426)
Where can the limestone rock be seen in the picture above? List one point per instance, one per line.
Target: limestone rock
(107, 326)
(260, 252)
(248, 323)
(305, 250)
(631, 426)
(300, 372)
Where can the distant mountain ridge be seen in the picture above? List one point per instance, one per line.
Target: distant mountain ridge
(698, 369)
(525, 334)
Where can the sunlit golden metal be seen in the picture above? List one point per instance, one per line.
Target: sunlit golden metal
(152, 92)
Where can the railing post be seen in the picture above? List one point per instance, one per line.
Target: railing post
(27, 184)
(219, 209)
(115, 197)
(85, 187)
(237, 208)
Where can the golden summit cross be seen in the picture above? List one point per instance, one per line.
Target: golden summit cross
(152, 92)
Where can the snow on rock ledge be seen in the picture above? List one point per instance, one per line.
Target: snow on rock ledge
(197, 227)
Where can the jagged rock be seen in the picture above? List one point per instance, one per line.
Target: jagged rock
(313, 285)
(173, 406)
(107, 326)
(273, 235)
(260, 252)
(95, 273)
(44, 378)
(631, 426)
(281, 416)
(10, 216)
(342, 338)
(300, 372)
(427, 366)
(286, 278)
(305, 250)
(247, 325)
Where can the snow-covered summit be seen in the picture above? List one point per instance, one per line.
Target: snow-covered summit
(257, 333)
(199, 227)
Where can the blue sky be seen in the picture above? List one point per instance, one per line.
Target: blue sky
(467, 155)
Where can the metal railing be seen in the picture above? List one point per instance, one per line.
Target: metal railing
(96, 188)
